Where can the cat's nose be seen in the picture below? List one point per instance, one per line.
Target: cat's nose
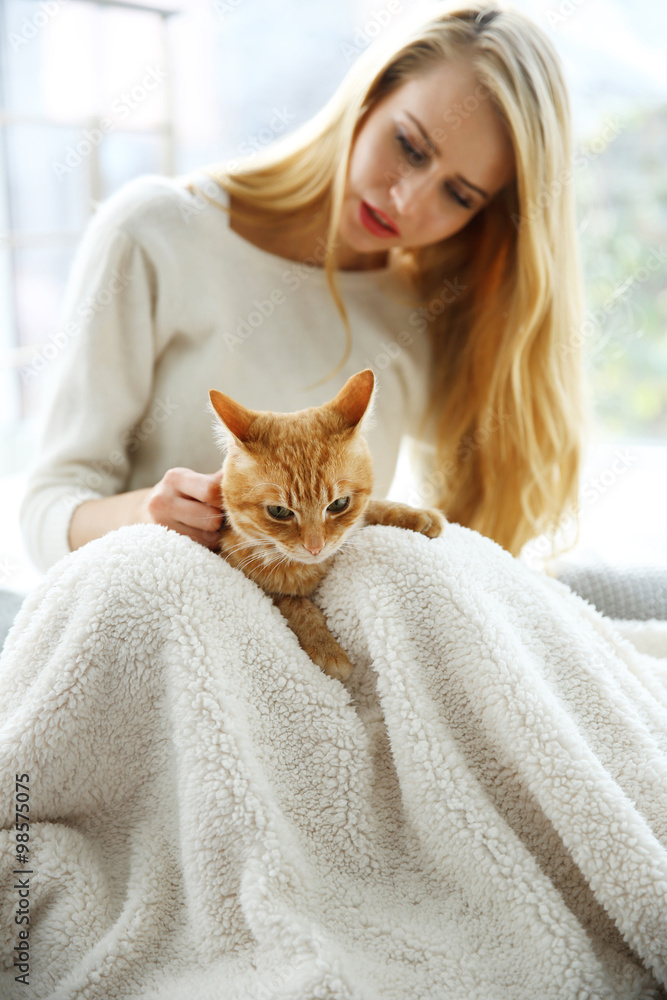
(313, 549)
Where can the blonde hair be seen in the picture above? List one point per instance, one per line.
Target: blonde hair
(506, 400)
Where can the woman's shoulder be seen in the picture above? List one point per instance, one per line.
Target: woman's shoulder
(148, 201)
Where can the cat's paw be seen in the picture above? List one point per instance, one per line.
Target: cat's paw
(431, 522)
(424, 520)
(332, 659)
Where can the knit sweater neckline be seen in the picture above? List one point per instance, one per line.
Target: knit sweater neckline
(221, 196)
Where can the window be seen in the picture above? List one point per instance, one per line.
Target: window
(76, 123)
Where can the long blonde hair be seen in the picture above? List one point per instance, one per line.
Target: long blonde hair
(506, 399)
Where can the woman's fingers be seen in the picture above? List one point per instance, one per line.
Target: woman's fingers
(188, 502)
(194, 514)
(209, 539)
(198, 485)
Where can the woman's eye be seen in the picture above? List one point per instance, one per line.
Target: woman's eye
(280, 513)
(458, 197)
(417, 159)
(338, 505)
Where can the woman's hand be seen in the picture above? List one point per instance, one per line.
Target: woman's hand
(188, 502)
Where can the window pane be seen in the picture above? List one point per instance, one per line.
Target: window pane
(623, 215)
(134, 87)
(63, 62)
(124, 156)
(48, 179)
(128, 90)
(39, 285)
(40, 274)
(28, 28)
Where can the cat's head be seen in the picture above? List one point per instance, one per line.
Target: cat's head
(294, 484)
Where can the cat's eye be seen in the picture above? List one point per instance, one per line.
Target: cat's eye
(338, 505)
(280, 513)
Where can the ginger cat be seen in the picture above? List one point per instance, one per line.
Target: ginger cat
(294, 487)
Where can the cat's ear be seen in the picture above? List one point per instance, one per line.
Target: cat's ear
(355, 397)
(235, 417)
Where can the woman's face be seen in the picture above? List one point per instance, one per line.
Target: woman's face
(429, 156)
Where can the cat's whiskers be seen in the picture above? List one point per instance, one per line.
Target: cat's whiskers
(350, 538)
(266, 552)
(247, 537)
(256, 549)
(285, 561)
(273, 569)
(252, 558)
(238, 548)
(285, 557)
(243, 543)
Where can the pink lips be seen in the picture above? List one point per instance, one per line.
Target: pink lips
(373, 225)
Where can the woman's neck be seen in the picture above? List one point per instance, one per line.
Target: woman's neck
(306, 246)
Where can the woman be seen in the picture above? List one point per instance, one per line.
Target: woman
(431, 190)
(481, 810)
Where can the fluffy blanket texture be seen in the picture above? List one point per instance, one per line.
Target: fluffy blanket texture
(479, 813)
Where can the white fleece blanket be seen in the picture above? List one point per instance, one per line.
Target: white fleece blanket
(479, 813)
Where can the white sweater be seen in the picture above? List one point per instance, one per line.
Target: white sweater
(164, 302)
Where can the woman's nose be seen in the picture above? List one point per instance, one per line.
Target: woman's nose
(407, 194)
